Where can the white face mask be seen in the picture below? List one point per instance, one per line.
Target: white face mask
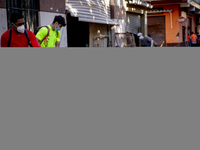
(21, 29)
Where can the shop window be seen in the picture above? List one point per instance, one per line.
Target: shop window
(28, 8)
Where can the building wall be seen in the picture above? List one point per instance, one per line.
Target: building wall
(3, 22)
(170, 32)
(193, 22)
(3, 17)
(118, 14)
(46, 18)
(54, 6)
(183, 14)
(3, 4)
(93, 31)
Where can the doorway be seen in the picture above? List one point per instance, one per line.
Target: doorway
(156, 29)
(77, 32)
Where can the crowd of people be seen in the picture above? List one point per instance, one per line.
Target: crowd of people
(45, 36)
(194, 40)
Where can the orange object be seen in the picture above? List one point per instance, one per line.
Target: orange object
(188, 38)
(194, 38)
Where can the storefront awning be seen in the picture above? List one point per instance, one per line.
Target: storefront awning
(95, 11)
(195, 4)
(156, 11)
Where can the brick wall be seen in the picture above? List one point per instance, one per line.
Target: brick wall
(3, 4)
(55, 6)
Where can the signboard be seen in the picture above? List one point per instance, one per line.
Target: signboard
(181, 19)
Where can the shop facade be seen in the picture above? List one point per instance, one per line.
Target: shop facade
(163, 24)
(89, 23)
(132, 19)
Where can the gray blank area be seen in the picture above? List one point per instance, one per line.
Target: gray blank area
(100, 99)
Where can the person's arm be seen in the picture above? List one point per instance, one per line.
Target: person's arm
(33, 39)
(58, 40)
(151, 43)
(58, 44)
(41, 34)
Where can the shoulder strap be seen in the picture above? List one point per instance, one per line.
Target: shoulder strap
(46, 35)
(57, 34)
(10, 35)
(26, 33)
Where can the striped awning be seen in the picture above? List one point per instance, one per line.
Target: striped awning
(94, 11)
(141, 3)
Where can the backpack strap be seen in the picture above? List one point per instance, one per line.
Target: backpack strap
(26, 33)
(46, 35)
(10, 35)
(57, 34)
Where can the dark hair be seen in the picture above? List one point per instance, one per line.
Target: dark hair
(149, 35)
(60, 20)
(192, 32)
(15, 16)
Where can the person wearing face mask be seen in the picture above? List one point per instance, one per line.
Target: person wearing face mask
(49, 36)
(146, 41)
(18, 36)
